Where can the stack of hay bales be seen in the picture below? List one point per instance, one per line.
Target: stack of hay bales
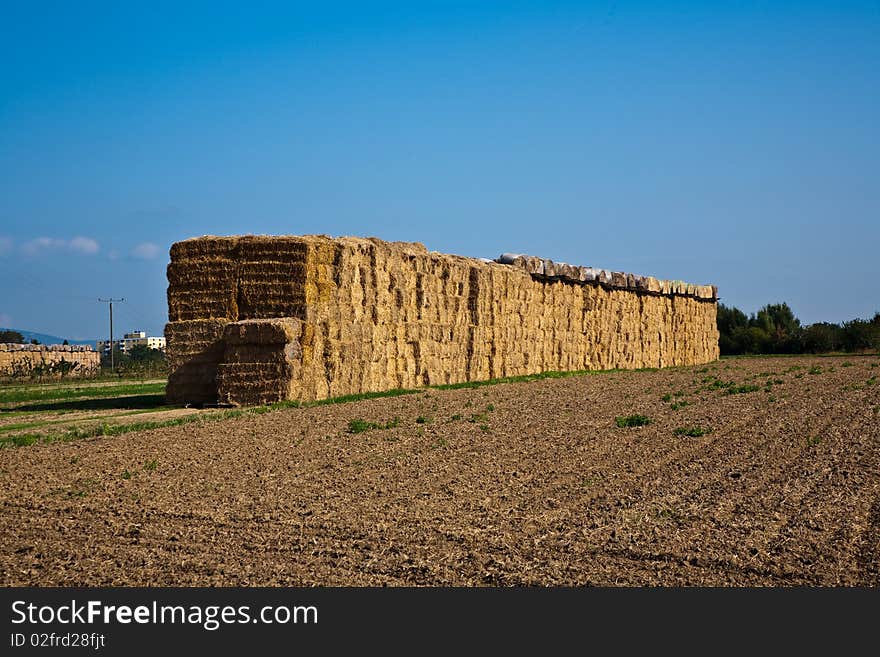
(213, 281)
(373, 315)
(22, 360)
(261, 361)
(193, 350)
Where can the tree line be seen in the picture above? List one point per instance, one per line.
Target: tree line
(775, 330)
(139, 361)
(14, 337)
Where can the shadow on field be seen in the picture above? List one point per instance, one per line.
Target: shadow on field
(131, 402)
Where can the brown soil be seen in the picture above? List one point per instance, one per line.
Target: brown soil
(544, 489)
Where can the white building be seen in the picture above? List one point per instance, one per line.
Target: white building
(132, 339)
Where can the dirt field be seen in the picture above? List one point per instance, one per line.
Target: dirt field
(511, 484)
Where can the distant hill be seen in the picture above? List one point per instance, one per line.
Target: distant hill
(44, 338)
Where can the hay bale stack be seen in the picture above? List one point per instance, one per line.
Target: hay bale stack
(261, 362)
(203, 279)
(21, 361)
(372, 315)
(193, 350)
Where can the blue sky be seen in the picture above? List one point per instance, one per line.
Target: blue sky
(728, 143)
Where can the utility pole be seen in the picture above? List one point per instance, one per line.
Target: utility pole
(110, 301)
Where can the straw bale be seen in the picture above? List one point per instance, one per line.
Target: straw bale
(261, 362)
(260, 332)
(205, 246)
(193, 350)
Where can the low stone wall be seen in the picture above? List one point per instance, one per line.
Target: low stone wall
(22, 361)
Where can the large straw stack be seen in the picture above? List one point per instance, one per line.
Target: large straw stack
(18, 361)
(375, 315)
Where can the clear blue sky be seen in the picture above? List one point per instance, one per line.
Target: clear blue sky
(727, 143)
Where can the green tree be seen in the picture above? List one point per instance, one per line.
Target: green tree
(782, 327)
(731, 321)
(730, 318)
(822, 337)
(119, 359)
(860, 334)
(144, 354)
(8, 335)
(753, 340)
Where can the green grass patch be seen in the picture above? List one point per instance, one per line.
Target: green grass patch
(816, 369)
(667, 397)
(26, 425)
(692, 432)
(812, 441)
(398, 392)
(740, 390)
(632, 421)
(359, 425)
(46, 423)
(35, 393)
(119, 429)
(21, 440)
(680, 404)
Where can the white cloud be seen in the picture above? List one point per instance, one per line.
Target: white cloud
(83, 245)
(5, 245)
(34, 247)
(145, 251)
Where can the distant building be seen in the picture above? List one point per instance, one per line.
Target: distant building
(132, 339)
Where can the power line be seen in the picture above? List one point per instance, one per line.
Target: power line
(110, 301)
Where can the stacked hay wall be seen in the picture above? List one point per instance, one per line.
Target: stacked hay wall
(374, 315)
(20, 361)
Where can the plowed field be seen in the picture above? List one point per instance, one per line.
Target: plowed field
(761, 471)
